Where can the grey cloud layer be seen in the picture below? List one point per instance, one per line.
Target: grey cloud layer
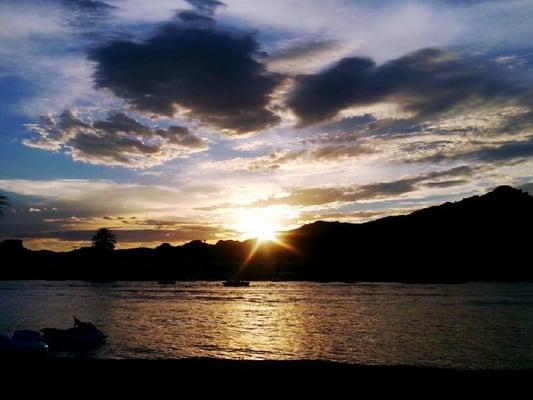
(350, 194)
(426, 83)
(118, 140)
(502, 153)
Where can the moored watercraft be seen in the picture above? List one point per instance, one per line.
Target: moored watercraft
(23, 343)
(236, 283)
(81, 335)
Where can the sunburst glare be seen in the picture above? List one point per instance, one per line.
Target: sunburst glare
(262, 224)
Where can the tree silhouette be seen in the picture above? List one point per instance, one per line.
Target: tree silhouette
(104, 239)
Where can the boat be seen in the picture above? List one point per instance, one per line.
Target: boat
(23, 343)
(236, 283)
(83, 334)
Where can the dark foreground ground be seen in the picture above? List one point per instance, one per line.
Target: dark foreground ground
(226, 378)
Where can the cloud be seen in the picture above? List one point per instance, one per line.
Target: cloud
(43, 62)
(349, 194)
(83, 13)
(447, 184)
(425, 83)
(301, 49)
(193, 19)
(522, 122)
(344, 216)
(496, 152)
(509, 151)
(178, 235)
(118, 140)
(323, 153)
(277, 159)
(82, 198)
(205, 7)
(209, 73)
(303, 55)
(88, 5)
(72, 209)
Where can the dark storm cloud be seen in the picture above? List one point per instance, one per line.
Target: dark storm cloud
(210, 72)
(349, 194)
(428, 82)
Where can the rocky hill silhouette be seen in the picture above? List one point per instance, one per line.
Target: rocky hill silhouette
(480, 238)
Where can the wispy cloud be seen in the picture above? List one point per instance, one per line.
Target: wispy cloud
(350, 194)
(117, 140)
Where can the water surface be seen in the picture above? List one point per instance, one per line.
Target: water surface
(475, 325)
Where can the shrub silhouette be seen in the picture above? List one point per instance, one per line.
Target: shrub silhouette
(104, 239)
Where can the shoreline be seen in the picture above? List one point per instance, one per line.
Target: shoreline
(100, 378)
(362, 282)
(153, 367)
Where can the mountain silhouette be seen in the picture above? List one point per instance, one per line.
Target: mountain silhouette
(480, 238)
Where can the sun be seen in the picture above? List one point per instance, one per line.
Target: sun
(261, 224)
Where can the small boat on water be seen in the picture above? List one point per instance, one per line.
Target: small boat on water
(236, 283)
(23, 343)
(81, 335)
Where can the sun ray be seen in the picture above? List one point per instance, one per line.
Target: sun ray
(263, 226)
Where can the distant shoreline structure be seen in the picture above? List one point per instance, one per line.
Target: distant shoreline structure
(480, 238)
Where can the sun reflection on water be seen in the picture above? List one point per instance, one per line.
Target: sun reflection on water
(362, 323)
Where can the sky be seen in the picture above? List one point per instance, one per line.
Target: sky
(171, 121)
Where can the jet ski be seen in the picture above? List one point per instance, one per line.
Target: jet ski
(82, 334)
(23, 343)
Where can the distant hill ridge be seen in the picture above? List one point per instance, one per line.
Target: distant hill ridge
(500, 199)
(480, 238)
